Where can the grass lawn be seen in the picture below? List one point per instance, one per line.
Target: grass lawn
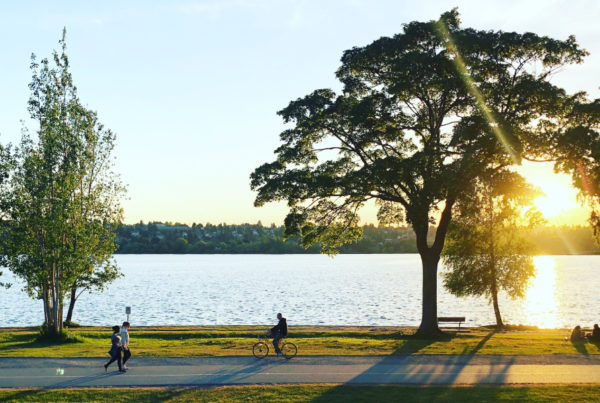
(310, 393)
(311, 340)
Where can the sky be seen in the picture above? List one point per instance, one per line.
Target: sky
(192, 88)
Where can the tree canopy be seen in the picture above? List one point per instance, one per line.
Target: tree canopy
(61, 199)
(421, 115)
(485, 251)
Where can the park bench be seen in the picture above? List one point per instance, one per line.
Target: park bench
(454, 319)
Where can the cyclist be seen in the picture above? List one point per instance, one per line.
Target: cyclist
(278, 332)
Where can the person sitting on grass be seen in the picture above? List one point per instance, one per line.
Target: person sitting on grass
(595, 335)
(278, 332)
(115, 350)
(577, 334)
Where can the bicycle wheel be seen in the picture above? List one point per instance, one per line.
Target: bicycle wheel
(289, 350)
(260, 350)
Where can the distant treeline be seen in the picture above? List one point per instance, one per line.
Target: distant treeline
(158, 237)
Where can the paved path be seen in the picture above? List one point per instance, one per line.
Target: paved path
(413, 370)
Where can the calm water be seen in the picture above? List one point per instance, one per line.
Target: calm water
(309, 289)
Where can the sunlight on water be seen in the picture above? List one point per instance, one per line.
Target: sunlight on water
(540, 302)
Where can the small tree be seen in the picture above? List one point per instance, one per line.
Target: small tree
(484, 252)
(62, 198)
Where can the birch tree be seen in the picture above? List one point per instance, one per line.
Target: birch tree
(62, 197)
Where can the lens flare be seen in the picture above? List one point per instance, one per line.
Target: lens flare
(461, 67)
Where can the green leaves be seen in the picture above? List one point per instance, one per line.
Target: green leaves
(421, 115)
(484, 251)
(61, 199)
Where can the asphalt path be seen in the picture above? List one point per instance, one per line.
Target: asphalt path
(408, 370)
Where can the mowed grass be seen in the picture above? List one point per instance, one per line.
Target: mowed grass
(310, 393)
(311, 340)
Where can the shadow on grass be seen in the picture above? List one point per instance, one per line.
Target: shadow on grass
(413, 344)
(580, 347)
(471, 351)
(31, 342)
(395, 393)
(22, 341)
(97, 395)
(407, 368)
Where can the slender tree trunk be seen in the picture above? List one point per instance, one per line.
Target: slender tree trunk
(47, 314)
(71, 304)
(56, 301)
(499, 322)
(494, 289)
(429, 324)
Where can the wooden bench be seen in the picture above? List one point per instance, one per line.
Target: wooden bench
(454, 319)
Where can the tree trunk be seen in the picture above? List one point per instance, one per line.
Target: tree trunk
(430, 257)
(429, 324)
(56, 302)
(47, 314)
(71, 304)
(499, 323)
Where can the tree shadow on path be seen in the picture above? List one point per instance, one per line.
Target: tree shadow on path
(407, 367)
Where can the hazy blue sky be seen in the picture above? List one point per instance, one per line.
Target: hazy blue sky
(192, 87)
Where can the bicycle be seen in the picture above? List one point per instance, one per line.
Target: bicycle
(261, 348)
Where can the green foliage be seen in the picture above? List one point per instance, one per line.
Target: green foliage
(61, 198)
(420, 116)
(578, 142)
(48, 334)
(248, 238)
(160, 238)
(484, 252)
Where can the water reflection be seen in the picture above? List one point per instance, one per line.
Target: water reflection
(541, 303)
(366, 290)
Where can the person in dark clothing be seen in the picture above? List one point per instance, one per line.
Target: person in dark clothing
(577, 334)
(115, 350)
(595, 335)
(278, 332)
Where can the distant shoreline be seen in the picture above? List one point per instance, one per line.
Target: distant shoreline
(199, 239)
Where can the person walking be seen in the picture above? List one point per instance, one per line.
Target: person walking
(278, 332)
(125, 343)
(115, 350)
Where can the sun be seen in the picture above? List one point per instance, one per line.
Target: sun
(555, 200)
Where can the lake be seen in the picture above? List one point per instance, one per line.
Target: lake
(309, 289)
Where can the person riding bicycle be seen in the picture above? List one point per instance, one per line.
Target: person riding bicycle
(279, 331)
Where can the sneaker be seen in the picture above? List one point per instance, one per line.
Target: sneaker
(122, 370)
(125, 367)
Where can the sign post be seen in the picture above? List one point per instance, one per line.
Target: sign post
(127, 312)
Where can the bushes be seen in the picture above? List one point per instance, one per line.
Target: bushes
(47, 334)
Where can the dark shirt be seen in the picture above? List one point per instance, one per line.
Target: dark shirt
(115, 348)
(596, 333)
(281, 327)
(577, 335)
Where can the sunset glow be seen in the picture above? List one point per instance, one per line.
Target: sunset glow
(540, 301)
(556, 199)
(558, 203)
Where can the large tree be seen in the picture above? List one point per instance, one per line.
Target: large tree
(420, 116)
(62, 199)
(485, 250)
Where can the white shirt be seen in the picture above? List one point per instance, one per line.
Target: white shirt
(124, 337)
